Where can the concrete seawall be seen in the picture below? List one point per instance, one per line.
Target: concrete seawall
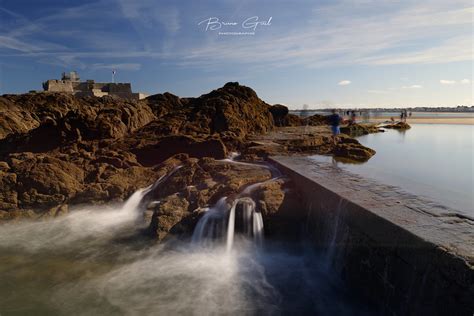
(411, 255)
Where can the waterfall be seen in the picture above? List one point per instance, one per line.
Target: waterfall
(333, 221)
(212, 224)
(226, 219)
(222, 222)
(131, 205)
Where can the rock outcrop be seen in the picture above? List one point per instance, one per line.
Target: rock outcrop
(279, 113)
(58, 151)
(282, 117)
(316, 120)
(350, 149)
(356, 130)
(399, 125)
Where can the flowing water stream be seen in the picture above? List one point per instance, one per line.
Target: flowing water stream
(93, 261)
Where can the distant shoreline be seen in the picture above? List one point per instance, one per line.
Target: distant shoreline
(429, 120)
(459, 118)
(396, 110)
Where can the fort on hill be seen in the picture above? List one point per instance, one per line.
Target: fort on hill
(70, 83)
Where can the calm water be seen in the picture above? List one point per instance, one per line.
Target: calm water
(435, 161)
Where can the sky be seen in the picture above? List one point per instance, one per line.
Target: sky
(301, 53)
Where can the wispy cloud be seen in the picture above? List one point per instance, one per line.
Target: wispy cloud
(338, 34)
(93, 42)
(344, 82)
(447, 82)
(413, 86)
(453, 82)
(18, 45)
(338, 37)
(148, 14)
(124, 66)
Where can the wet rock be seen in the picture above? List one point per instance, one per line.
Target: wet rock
(171, 217)
(399, 125)
(199, 183)
(351, 149)
(262, 149)
(8, 193)
(307, 143)
(356, 130)
(56, 211)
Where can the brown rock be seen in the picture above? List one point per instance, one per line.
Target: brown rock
(197, 184)
(316, 120)
(282, 117)
(4, 166)
(279, 113)
(166, 147)
(399, 125)
(8, 193)
(55, 211)
(353, 151)
(170, 217)
(356, 130)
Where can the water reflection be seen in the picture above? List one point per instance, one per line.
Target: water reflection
(435, 161)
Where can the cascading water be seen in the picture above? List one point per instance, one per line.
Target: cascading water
(222, 222)
(244, 218)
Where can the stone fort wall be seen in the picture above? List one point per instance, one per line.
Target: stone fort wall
(91, 88)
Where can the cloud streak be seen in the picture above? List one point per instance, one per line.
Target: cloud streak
(344, 82)
(447, 82)
(413, 86)
(123, 66)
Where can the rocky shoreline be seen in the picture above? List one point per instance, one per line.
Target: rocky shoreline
(58, 152)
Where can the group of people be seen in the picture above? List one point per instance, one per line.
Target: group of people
(352, 117)
(403, 115)
(335, 120)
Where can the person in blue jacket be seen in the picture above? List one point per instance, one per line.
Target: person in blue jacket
(335, 121)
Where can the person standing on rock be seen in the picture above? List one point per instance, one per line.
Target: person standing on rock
(353, 118)
(335, 120)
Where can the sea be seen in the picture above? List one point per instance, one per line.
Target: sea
(434, 161)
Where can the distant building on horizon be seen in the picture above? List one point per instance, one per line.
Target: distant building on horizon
(70, 83)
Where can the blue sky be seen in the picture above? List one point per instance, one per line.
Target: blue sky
(349, 53)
